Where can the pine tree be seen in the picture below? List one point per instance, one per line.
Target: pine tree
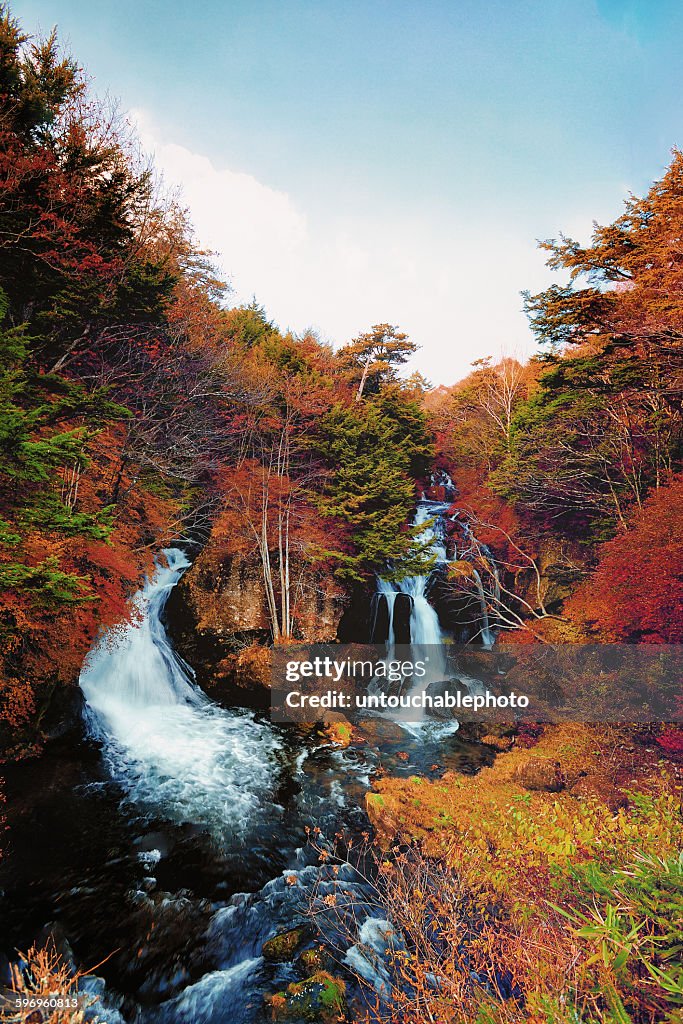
(372, 358)
(371, 490)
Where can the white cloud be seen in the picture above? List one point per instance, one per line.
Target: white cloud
(454, 289)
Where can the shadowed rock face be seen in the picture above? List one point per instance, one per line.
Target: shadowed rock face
(403, 606)
(218, 609)
(363, 620)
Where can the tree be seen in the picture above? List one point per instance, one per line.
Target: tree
(370, 454)
(266, 495)
(636, 591)
(590, 443)
(498, 391)
(606, 425)
(507, 585)
(372, 358)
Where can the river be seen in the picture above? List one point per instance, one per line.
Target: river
(171, 841)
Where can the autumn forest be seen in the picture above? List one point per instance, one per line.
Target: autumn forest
(251, 486)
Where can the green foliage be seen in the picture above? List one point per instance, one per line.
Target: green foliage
(45, 583)
(249, 326)
(372, 449)
(49, 513)
(618, 881)
(33, 453)
(589, 444)
(35, 79)
(371, 359)
(606, 426)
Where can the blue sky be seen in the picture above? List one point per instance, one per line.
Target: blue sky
(360, 162)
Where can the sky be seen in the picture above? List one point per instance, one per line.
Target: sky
(355, 162)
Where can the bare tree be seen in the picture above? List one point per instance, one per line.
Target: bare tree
(498, 390)
(510, 590)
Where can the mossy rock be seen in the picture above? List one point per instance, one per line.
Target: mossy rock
(313, 960)
(320, 999)
(337, 729)
(283, 947)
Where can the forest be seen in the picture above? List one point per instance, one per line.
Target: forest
(141, 411)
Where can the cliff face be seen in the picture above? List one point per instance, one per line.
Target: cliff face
(218, 617)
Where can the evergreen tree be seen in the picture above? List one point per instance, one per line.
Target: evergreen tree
(372, 358)
(371, 454)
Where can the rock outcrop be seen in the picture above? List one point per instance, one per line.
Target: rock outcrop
(218, 618)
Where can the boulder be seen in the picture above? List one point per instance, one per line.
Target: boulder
(283, 947)
(320, 999)
(540, 773)
(337, 729)
(62, 718)
(313, 960)
(596, 787)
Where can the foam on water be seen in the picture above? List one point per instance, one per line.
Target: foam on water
(175, 753)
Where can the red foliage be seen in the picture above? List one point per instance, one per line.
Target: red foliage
(636, 592)
(670, 740)
(528, 734)
(47, 645)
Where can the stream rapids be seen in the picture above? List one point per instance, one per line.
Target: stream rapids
(171, 843)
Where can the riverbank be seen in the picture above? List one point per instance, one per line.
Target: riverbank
(560, 872)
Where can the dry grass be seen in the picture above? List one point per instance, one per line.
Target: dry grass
(510, 906)
(45, 991)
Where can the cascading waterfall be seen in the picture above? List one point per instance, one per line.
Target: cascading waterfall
(426, 636)
(174, 752)
(180, 758)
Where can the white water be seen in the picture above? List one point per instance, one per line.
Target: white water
(425, 630)
(174, 752)
(426, 636)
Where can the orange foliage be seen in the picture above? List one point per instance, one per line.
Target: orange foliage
(43, 645)
(636, 592)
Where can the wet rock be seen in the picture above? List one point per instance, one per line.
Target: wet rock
(363, 612)
(283, 947)
(320, 999)
(540, 773)
(62, 718)
(403, 606)
(337, 729)
(378, 730)
(312, 961)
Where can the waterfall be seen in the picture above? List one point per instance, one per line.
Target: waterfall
(389, 592)
(425, 630)
(426, 636)
(173, 751)
(148, 672)
(427, 640)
